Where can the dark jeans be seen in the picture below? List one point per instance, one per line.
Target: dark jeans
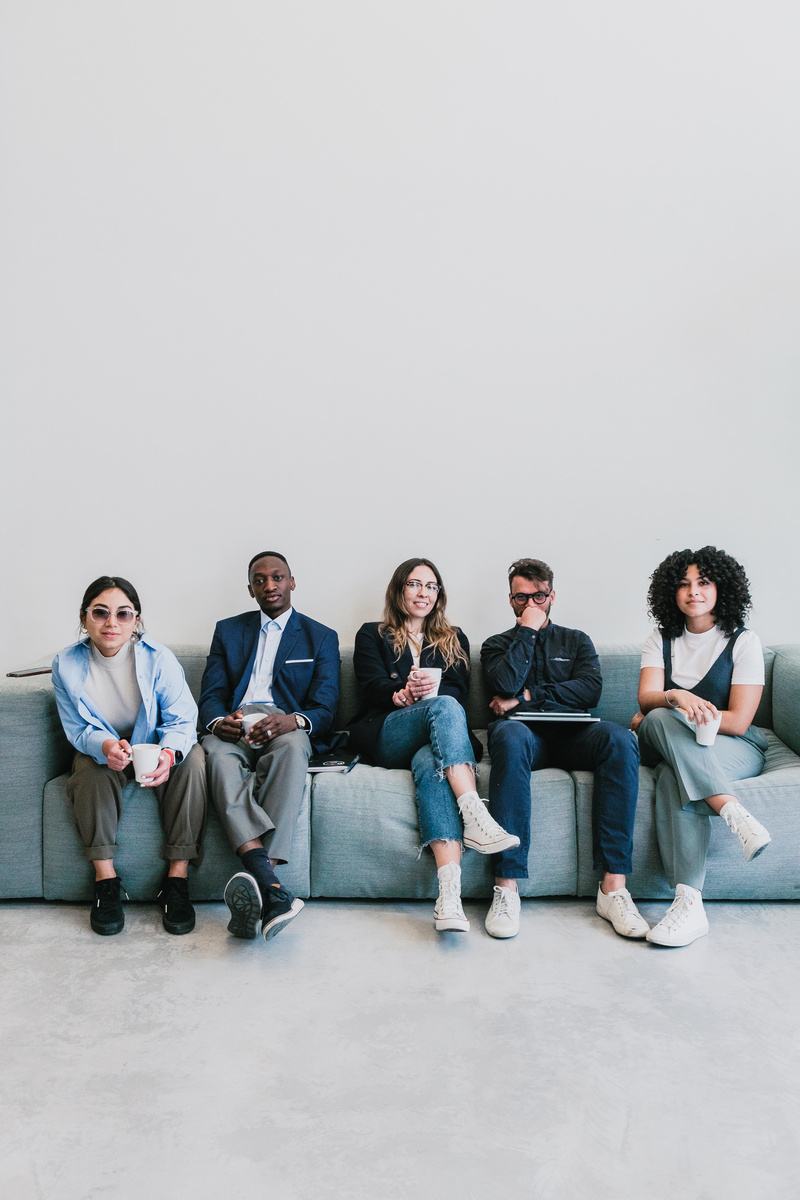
(605, 748)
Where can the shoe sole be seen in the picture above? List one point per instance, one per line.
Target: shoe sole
(760, 849)
(507, 843)
(675, 945)
(243, 898)
(107, 930)
(451, 925)
(501, 936)
(179, 927)
(273, 927)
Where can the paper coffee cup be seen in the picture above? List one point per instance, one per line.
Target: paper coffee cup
(705, 732)
(435, 674)
(145, 757)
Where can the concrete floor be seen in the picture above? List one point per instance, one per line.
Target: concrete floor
(360, 1054)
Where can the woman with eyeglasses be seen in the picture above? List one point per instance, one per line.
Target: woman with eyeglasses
(701, 668)
(412, 719)
(116, 688)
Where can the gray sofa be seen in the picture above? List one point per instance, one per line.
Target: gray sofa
(357, 835)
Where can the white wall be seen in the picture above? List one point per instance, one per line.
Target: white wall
(364, 280)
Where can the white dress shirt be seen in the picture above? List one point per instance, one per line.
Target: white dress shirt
(259, 689)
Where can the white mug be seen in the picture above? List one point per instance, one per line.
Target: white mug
(435, 674)
(145, 756)
(705, 732)
(251, 719)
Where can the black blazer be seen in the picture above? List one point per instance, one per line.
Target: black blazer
(380, 675)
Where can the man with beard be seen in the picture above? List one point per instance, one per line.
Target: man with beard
(539, 667)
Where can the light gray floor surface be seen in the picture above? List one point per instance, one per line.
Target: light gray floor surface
(360, 1054)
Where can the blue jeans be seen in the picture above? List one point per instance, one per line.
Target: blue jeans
(429, 736)
(603, 747)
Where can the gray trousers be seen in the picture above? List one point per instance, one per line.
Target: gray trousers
(685, 776)
(95, 793)
(258, 793)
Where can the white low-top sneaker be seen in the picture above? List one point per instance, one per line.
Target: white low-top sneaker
(683, 922)
(502, 919)
(447, 911)
(750, 832)
(618, 908)
(481, 831)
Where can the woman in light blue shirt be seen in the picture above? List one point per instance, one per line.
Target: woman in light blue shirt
(116, 688)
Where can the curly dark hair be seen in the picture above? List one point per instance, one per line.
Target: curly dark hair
(733, 589)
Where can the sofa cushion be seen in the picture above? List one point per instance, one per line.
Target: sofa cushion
(366, 838)
(67, 875)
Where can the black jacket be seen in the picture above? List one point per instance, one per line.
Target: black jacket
(380, 675)
(559, 667)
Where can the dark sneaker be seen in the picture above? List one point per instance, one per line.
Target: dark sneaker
(243, 898)
(176, 908)
(107, 915)
(280, 907)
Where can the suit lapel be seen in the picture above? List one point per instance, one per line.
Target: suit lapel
(288, 639)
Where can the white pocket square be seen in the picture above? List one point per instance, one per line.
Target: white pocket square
(289, 661)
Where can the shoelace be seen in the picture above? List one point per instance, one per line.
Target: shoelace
(624, 904)
(482, 817)
(677, 912)
(502, 904)
(449, 898)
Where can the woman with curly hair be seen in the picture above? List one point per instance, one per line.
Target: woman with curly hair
(699, 666)
(408, 721)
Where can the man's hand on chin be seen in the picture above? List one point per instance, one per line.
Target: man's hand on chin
(532, 617)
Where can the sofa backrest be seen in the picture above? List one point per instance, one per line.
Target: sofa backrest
(619, 665)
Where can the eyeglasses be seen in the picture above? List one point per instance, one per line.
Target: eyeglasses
(415, 586)
(100, 615)
(522, 598)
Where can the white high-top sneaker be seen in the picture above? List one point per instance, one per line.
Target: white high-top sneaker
(447, 911)
(684, 921)
(481, 831)
(750, 832)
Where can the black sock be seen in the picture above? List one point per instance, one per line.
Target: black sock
(257, 863)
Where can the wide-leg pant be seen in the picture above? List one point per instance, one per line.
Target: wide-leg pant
(685, 776)
(258, 792)
(95, 793)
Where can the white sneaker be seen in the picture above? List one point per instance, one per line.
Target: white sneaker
(684, 921)
(447, 911)
(750, 832)
(502, 919)
(481, 831)
(618, 908)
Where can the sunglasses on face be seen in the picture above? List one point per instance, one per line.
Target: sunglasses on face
(99, 615)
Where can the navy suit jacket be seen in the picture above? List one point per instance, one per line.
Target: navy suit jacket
(305, 679)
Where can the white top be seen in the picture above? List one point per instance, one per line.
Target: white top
(415, 644)
(113, 688)
(694, 654)
(259, 689)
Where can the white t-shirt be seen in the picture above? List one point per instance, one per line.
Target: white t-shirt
(113, 688)
(694, 654)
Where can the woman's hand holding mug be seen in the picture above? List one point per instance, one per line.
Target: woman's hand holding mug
(118, 753)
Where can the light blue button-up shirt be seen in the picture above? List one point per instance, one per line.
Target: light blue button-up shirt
(259, 689)
(168, 714)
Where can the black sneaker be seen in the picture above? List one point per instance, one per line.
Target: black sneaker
(173, 899)
(280, 907)
(243, 898)
(107, 915)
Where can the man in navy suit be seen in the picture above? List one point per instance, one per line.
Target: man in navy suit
(286, 666)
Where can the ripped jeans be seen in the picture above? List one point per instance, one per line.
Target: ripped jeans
(429, 736)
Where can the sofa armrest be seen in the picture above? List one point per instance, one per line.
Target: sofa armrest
(786, 695)
(33, 750)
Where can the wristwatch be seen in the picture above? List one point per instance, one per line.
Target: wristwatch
(302, 722)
